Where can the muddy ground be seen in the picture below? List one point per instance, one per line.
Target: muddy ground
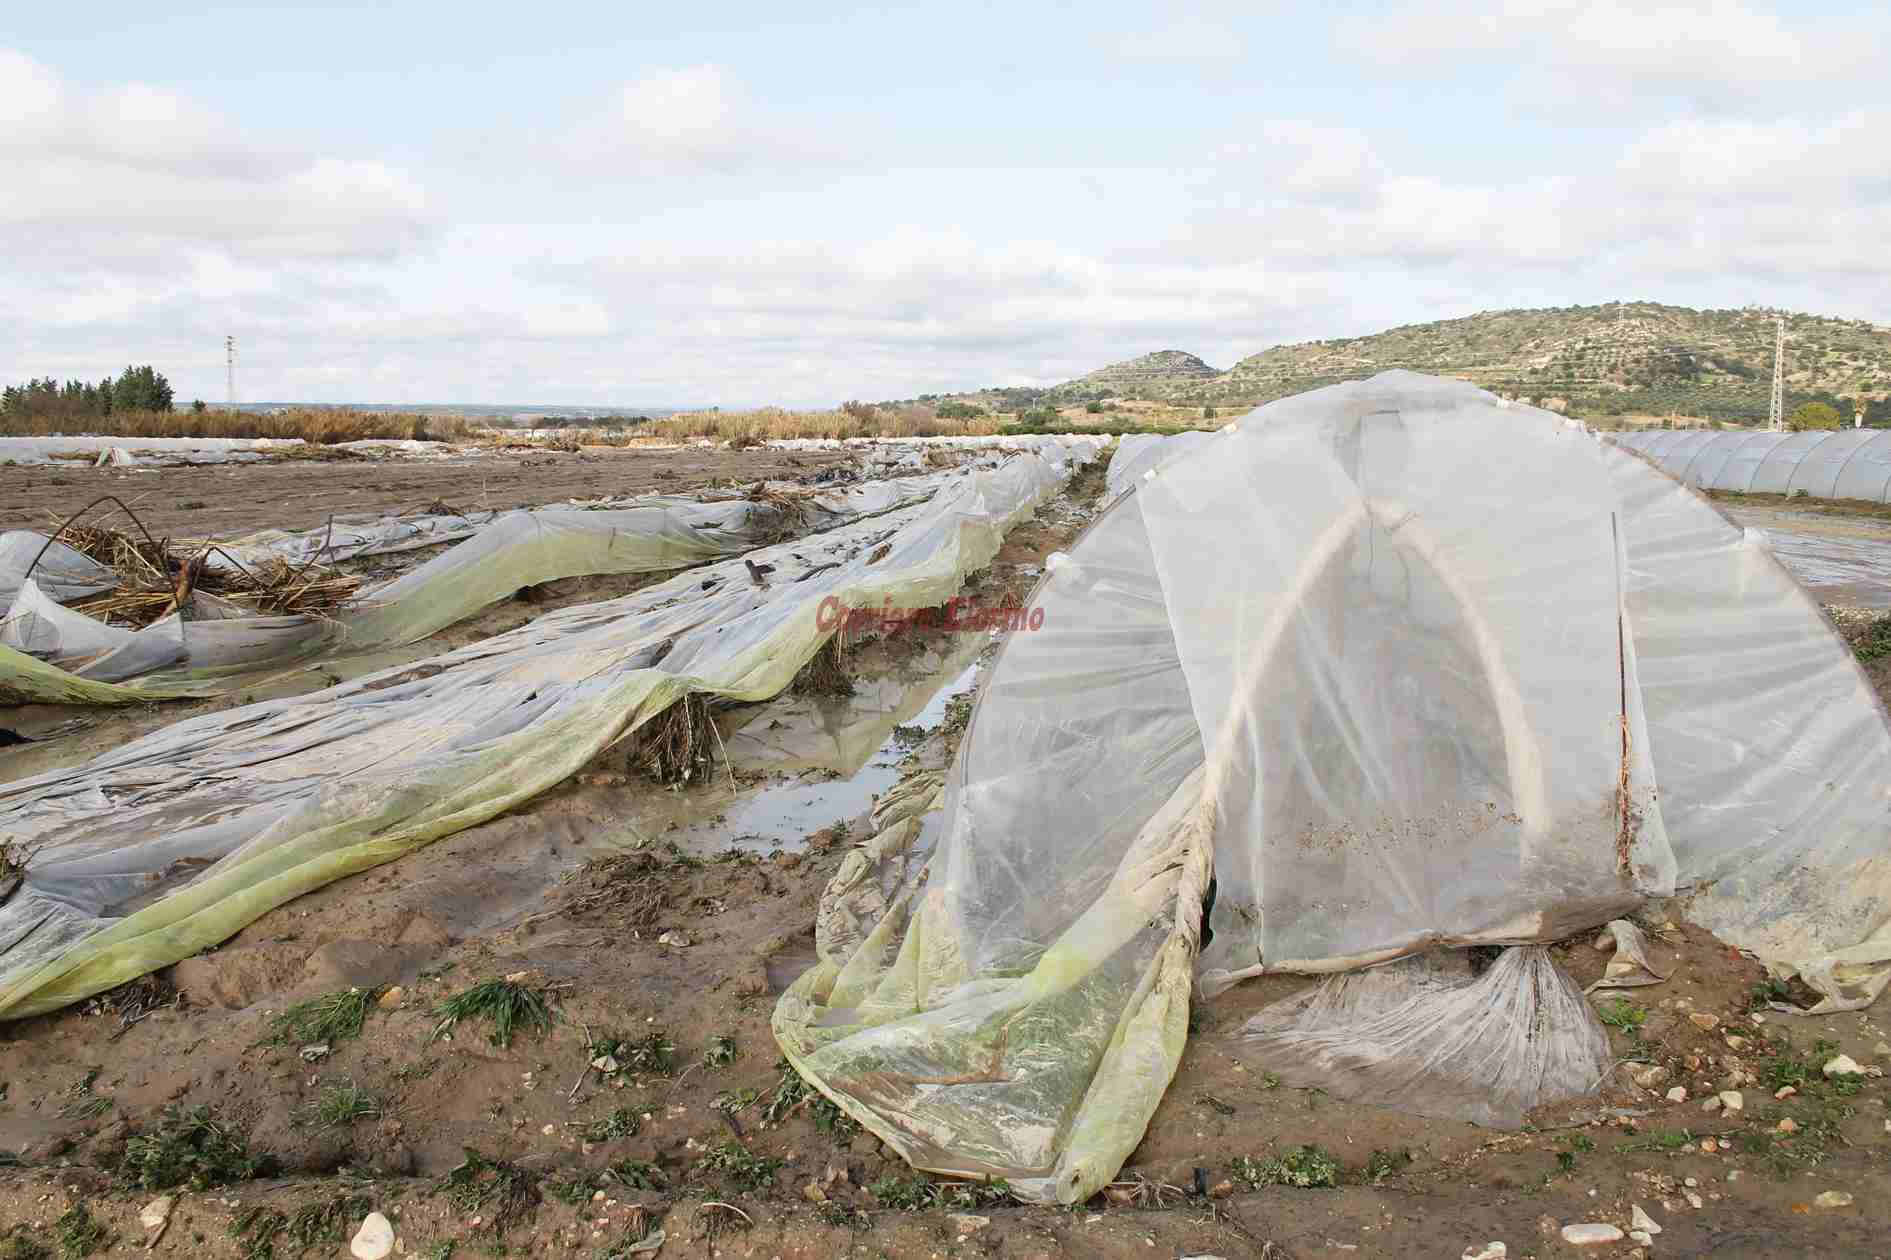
(653, 916)
(228, 499)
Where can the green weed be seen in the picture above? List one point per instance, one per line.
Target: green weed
(1303, 1166)
(190, 1147)
(503, 1193)
(79, 1234)
(509, 1007)
(339, 1106)
(741, 1167)
(621, 1123)
(330, 1018)
(721, 1051)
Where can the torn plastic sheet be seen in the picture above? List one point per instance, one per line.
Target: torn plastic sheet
(1631, 966)
(154, 850)
(1427, 702)
(515, 550)
(1423, 1035)
(63, 573)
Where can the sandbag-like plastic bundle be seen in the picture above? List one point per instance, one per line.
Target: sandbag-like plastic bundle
(1381, 670)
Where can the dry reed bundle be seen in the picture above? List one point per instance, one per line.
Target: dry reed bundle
(156, 577)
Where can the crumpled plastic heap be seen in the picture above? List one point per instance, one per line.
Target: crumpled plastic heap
(1381, 670)
(53, 655)
(154, 850)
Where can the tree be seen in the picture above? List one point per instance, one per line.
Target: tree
(1813, 415)
(141, 389)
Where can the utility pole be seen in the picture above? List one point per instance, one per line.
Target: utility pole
(229, 368)
(1779, 373)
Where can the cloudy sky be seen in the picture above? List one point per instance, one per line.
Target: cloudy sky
(736, 203)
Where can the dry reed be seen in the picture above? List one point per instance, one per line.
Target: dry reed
(320, 425)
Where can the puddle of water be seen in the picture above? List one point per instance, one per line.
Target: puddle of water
(1841, 560)
(831, 757)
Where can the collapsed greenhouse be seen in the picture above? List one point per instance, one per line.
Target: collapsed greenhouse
(1378, 673)
(174, 841)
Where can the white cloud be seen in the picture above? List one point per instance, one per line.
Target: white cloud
(695, 118)
(126, 177)
(1188, 38)
(1622, 56)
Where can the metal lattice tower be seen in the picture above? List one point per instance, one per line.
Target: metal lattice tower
(229, 368)
(1778, 420)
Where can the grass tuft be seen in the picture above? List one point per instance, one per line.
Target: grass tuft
(792, 1092)
(330, 1018)
(503, 1193)
(507, 1005)
(339, 1106)
(79, 1234)
(190, 1147)
(720, 1052)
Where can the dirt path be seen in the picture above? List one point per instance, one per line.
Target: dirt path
(662, 963)
(300, 494)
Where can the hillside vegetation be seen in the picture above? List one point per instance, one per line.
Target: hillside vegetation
(1621, 358)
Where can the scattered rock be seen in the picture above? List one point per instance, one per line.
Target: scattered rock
(1221, 1189)
(1784, 1092)
(1843, 1065)
(315, 1053)
(374, 1240)
(966, 1223)
(1882, 1050)
(813, 1193)
(392, 998)
(674, 939)
(1787, 1126)
(1590, 1234)
(1641, 1220)
(1489, 1251)
(1701, 1019)
(155, 1213)
(1693, 1200)
(1711, 1104)
(1736, 1043)
(1732, 1100)
(1649, 1077)
(606, 1064)
(1677, 1094)
(1640, 1237)
(1833, 1199)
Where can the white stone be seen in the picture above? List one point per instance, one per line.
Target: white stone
(1833, 1199)
(1489, 1251)
(1731, 1100)
(1844, 1065)
(1641, 1220)
(1694, 1200)
(374, 1240)
(1591, 1233)
(156, 1212)
(1649, 1077)
(1640, 1237)
(1677, 1094)
(675, 940)
(1711, 1104)
(966, 1223)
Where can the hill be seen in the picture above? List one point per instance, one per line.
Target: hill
(1620, 358)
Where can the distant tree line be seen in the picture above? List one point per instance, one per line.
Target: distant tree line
(136, 389)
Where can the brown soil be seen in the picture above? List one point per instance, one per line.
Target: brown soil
(490, 903)
(301, 494)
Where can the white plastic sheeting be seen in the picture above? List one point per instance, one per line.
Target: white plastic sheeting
(1138, 454)
(152, 851)
(63, 573)
(1406, 667)
(207, 653)
(1831, 464)
(140, 450)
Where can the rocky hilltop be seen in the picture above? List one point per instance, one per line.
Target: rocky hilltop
(1162, 374)
(1618, 358)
